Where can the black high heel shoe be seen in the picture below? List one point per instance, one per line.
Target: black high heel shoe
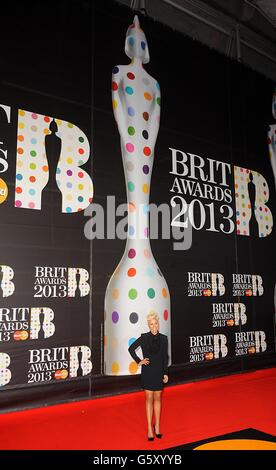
(150, 439)
(159, 436)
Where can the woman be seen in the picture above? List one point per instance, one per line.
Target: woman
(154, 370)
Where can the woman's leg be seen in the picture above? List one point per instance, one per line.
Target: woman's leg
(157, 409)
(149, 410)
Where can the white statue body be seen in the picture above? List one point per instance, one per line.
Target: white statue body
(137, 286)
(272, 138)
(272, 154)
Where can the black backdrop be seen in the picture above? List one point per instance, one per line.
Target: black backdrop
(57, 61)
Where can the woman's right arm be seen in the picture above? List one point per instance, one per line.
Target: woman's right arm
(132, 348)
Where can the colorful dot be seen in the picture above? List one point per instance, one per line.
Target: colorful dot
(146, 169)
(18, 203)
(69, 172)
(147, 151)
(68, 209)
(33, 153)
(115, 70)
(129, 90)
(115, 317)
(132, 293)
(131, 76)
(147, 96)
(146, 232)
(164, 293)
(18, 190)
(80, 174)
(146, 116)
(145, 188)
(131, 207)
(131, 130)
(114, 86)
(20, 150)
(158, 100)
(115, 368)
(133, 317)
(115, 294)
(131, 230)
(19, 177)
(147, 254)
(166, 315)
(143, 45)
(130, 186)
(131, 253)
(130, 147)
(130, 166)
(114, 104)
(131, 41)
(151, 293)
(131, 272)
(131, 340)
(145, 134)
(133, 367)
(31, 205)
(131, 111)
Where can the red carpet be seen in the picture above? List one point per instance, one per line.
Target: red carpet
(191, 412)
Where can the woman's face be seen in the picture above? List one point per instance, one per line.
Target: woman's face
(153, 326)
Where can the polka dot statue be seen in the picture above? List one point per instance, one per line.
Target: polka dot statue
(272, 154)
(137, 286)
(272, 138)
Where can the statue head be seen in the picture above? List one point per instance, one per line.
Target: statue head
(136, 45)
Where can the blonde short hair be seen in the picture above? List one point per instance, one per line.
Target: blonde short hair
(152, 316)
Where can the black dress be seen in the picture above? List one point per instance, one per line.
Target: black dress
(155, 347)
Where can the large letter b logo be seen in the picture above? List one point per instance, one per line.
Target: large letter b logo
(252, 194)
(32, 166)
